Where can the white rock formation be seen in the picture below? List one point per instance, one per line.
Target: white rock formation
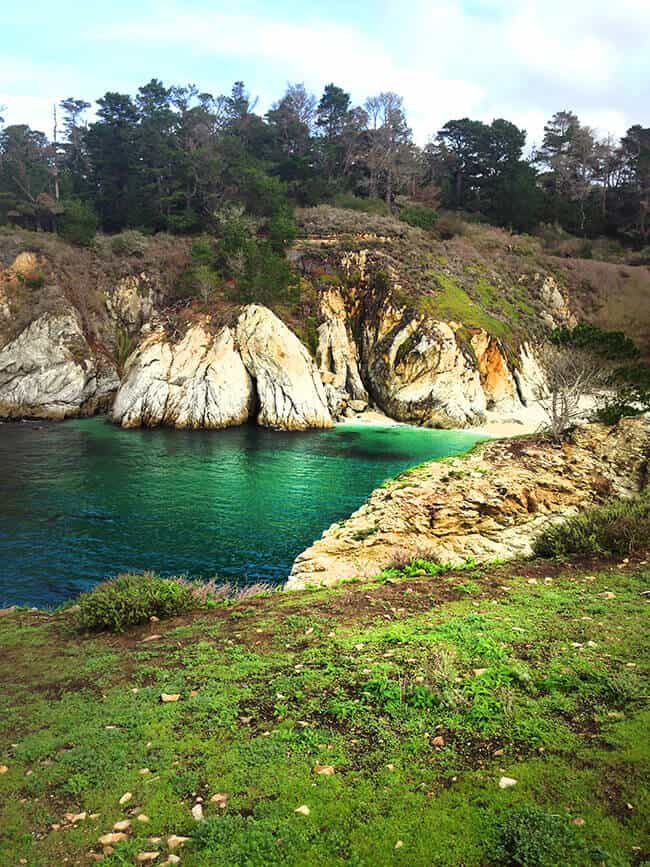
(48, 371)
(200, 382)
(290, 392)
(337, 355)
(420, 373)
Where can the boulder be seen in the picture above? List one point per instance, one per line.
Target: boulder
(199, 382)
(49, 371)
(290, 392)
(420, 373)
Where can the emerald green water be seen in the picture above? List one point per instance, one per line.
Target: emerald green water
(84, 500)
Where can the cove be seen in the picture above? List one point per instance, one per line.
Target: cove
(84, 500)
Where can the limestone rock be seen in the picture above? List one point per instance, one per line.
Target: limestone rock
(289, 389)
(200, 382)
(48, 371)
(131, 303)
(419, 373)
(490, 503)
(337, 354)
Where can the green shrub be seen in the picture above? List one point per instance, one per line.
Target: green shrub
(378, 207)
(613, 345)
(529, 837)
(620, 527)
(419, 216)
(78, 223)
(129, 243)
(131, 599)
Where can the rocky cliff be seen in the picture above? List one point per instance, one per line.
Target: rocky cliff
(490, 503)
(430, 332)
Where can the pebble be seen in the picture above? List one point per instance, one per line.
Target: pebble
(399, 844)
(578, 821)
(174, 841)
(172, 859)
(142, 818)
(3, 769)
(324, 770)
(303, 810)
(220, 799)
(607, 594)
(438, 741)
(108, 839)
(167, 697)
(197, 812)
(146, 857)
(507, 782)
(122, 825)
(126, 797)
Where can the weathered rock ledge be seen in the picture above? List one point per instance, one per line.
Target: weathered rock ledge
(490, 503)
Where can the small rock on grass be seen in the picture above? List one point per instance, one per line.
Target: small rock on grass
(399, 844)
(146, 857)
(303, 810)
(109, 839)
(197, 812)
(220, 799)
(123, 825)
(507, 782)
(438, 741)
(142, 818)
(174, 841)
(167, 697)
(578, 821)
(3, 769)
(171, 859)
(324, 770)
(126, 797)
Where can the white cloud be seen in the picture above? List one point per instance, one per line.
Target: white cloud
(519, 59)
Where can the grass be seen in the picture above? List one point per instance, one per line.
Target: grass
(420, 693)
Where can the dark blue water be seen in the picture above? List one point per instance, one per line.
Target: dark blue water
(84, 500)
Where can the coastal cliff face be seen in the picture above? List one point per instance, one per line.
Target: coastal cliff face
(427, 332)
(491, 503)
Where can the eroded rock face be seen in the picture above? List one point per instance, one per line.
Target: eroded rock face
(290, 393)
(337, 355)
(420, 373)
(491, 503)
(200, 382)
(49, 371)
(131, 303)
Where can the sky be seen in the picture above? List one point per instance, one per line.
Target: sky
(518, 59)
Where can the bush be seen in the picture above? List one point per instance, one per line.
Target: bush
(531, 838)
(78, 223)
(621, 527)
(612, 345)
(129, 243)
(378, 207)
(419, 216)
(131, 599)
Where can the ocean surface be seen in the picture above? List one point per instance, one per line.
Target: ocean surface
(84, 500)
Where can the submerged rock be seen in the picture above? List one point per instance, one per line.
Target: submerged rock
(49, 371)
(200, 382)
(289, 389)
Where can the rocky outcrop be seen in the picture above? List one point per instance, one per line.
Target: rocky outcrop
(491, 503)
(131, 303)
(420, 373)
(49, 371)
(215, 380)
(289, 389)
(200, 382)
(337, 355)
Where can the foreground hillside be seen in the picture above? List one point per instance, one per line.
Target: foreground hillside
(483, 716)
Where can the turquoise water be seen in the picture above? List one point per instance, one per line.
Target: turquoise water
(84, 500)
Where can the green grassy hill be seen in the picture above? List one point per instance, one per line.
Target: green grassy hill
(375, 724)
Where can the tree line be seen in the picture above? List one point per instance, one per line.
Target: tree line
(176, 159)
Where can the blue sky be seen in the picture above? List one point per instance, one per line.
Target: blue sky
(520, 59)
